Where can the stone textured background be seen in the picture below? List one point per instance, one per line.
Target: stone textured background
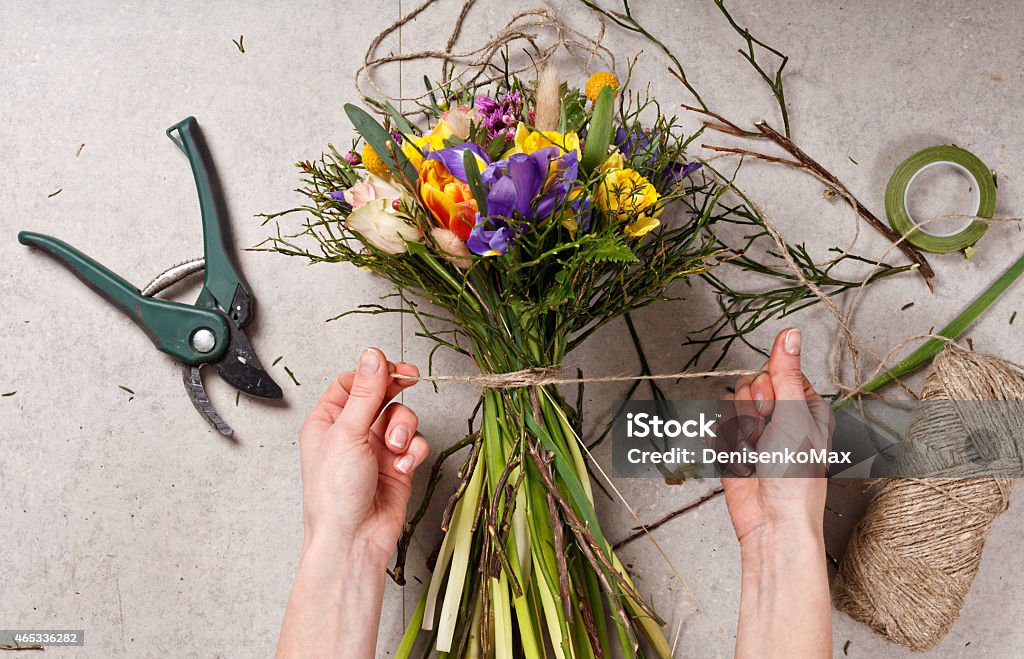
(127, 516)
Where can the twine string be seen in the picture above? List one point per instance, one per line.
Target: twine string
(537, 377)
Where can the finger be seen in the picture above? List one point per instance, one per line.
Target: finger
(784, 366)
(763, 393)
(366, 395)
(396, 426)
(330, 405)
(403, 466)
(748, 420)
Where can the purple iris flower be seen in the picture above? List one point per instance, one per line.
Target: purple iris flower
(521, 192)
(452, 158)
(638, 143)
(487, 239)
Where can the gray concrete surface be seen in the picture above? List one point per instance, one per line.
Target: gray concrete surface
(126, 516)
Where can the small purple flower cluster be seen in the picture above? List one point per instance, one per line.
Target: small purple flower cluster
(500, 117)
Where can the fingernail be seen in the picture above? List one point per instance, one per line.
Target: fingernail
(747, 427)
(399, 436)
(405, 464)
(759, 402)
(792, 342)
(744, 469)
(369, 362)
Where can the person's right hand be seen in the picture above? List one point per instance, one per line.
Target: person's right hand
(767, 501)
(358, 455)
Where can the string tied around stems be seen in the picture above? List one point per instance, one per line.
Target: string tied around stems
(536, 377)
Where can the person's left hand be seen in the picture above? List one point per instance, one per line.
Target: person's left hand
(358, 458)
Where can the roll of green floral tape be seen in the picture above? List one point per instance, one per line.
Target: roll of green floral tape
(932, 240)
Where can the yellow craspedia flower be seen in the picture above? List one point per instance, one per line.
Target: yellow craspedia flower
(599, 81)
(528, 141)
(373, 162)
(626, 196)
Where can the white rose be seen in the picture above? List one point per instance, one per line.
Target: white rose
(383, 227)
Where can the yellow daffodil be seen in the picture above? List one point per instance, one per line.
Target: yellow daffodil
(626, 196)
(614, 161)
(413, 147)
(641, 227)
(528, 141)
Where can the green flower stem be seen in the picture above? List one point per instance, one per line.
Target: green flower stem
(412, 631)
(927, 350)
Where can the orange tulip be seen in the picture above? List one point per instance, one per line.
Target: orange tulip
(448, 199)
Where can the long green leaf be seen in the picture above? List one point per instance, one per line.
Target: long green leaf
(401, 123)
(412, 631)
(476, 184)
(382, 142)
(599, 134)
(927, 350)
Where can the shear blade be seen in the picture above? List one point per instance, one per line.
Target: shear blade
(197, 394)
(242, 369)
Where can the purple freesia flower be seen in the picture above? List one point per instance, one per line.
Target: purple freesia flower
(635, 144)
(500, 117)
(489, 238)
(524, 190)
(452, 158)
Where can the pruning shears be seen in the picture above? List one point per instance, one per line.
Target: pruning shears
(207, 332)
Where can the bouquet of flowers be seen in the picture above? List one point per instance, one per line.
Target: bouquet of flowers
(523, 217)
(531, 215)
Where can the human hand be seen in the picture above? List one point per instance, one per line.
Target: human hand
(777, 516)
(358, 455)
(786, 498)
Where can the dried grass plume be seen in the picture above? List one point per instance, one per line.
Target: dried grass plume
(549, 101)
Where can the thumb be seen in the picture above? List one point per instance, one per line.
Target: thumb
(784, 366)
(369, 387)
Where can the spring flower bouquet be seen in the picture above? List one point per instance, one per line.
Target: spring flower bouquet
(528, 215)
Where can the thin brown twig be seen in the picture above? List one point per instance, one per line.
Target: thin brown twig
(645, 529)
(828, 178)
(587, 613)
(614, 597)
(731, 127)
(16, 648)
(465, 474)
(752, 154)
(558, 533)
(398, 573)
(497, 538)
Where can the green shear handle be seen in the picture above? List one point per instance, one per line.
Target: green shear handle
(172, 326)
(223, 286)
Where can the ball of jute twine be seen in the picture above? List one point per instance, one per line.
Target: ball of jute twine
(911, 560)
